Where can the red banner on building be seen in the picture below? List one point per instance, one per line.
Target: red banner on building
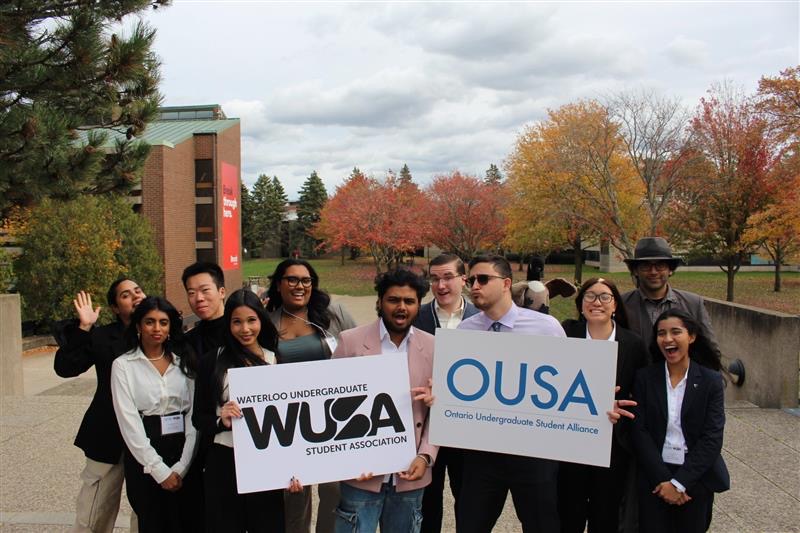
(231, 205)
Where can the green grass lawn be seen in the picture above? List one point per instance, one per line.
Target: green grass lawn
(355, 278)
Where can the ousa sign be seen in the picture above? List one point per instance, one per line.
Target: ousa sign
(524, 395)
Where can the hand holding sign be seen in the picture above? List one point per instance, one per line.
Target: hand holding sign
(616, 412)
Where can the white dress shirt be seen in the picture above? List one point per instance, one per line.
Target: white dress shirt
(388, 347)
(137, 387)
(674, 439)
(612, 337)
(445, 319)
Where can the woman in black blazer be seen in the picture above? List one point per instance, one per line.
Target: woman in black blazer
(590, 493)
(678, 429)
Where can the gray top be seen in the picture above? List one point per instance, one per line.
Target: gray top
(300, 349)
(642, 312)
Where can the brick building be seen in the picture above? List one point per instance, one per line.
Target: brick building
(190, 193)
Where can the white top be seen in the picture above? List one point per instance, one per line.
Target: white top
(674, 438)
(387, 346)
(446, 320)
(612, 337)
(137, 387)
(225, 438)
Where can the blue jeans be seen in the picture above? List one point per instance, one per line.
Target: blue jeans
(361, 511)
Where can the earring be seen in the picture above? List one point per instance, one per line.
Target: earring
(613, 314)
(139, 335)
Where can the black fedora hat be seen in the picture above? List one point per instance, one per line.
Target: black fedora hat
(653, 249)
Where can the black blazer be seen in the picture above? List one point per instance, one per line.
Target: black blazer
(99, 435)
(426, 319)
(702, 421)
(631, 356)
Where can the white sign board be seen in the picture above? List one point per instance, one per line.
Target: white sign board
(321, 421)
(524, 395)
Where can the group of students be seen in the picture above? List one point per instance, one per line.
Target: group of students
(161, 416)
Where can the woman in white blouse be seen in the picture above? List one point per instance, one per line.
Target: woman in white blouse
(152, 392)
(250, 340)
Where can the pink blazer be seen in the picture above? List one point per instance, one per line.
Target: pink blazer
(365, 340)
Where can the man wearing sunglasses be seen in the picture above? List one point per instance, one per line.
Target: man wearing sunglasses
(651, 266)
(488, 476)
(447, 275)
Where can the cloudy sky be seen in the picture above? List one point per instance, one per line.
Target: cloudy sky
(443, 86)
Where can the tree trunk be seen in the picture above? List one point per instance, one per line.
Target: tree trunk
(731, 270)
(778, 261)
(578, 256)
(342, 255)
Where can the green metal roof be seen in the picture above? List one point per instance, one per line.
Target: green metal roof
(172, 132)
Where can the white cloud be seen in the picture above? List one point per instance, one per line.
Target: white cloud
(684, 51)
(441, 86)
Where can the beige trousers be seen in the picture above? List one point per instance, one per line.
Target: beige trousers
(98, 499)
(298, 509)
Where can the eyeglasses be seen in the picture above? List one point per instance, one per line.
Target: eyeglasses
(292, 281)
(435, 280)
(659, 266)
(482, 279)
(604, 297)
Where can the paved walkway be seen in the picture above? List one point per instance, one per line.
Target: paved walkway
(39, 466)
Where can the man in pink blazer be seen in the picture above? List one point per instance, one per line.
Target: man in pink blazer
(393, 500)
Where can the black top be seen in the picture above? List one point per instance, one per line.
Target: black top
(99, 435)
(207, 336)
(702, 423)
(631, 356)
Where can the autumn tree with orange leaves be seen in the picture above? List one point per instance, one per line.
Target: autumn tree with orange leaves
(385, 218)
(465, 214)
(732, 178)
(570, 179)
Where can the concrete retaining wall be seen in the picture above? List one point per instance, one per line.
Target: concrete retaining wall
(768, 343)
(10, 346)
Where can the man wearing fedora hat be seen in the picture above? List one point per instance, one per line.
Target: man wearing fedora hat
(651, 266)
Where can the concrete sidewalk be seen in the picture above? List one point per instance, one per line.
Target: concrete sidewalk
(39, 466)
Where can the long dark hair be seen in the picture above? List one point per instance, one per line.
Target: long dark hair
(318, 303)
(700, 350)
(233, 354)
(176, 340)
(620, 315)
(111, 295)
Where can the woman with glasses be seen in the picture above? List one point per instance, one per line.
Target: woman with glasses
(308, 325)
(589, 493)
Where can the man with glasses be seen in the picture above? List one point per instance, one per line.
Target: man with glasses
(488, 476)
(651, 266)
(447, 275)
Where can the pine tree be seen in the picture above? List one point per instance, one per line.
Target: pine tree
(248, 212)
(405, 175)
(269, 204)
(64, 78)
(493, 175)
(312, 199)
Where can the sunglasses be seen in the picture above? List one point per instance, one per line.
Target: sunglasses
(292, 281)
(482, 279)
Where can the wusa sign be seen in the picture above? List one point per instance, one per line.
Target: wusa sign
(524, 395)
(321, 421)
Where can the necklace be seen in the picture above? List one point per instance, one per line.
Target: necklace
(293, 315)
(156, 358)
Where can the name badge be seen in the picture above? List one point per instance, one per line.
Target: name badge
(672, 455)
(332, 344)
(171, 424)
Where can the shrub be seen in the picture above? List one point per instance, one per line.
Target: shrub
(82, 244)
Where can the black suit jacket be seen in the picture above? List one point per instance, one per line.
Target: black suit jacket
(99, 435)
(631, 356)
(702, 422)
(426, 319)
